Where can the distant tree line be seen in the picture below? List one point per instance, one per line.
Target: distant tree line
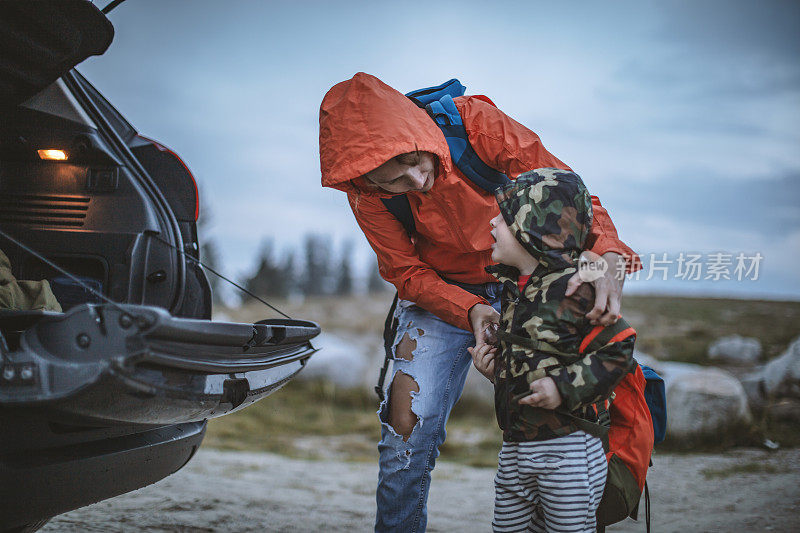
(319, 271)
(311, 269)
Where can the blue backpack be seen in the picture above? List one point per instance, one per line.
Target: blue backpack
(656, 397)
(438, 102)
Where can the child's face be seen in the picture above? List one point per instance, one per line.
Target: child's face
(506, 248)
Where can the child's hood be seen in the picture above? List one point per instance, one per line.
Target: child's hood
(549, 211)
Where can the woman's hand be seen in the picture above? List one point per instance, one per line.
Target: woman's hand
(544, 394)
(483, 359)
(483, 316)
(607, 286)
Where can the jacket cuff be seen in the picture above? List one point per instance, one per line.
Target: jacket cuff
(632, 260)
(465, 303)
(570, 400)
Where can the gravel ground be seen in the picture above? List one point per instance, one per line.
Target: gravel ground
(242, 492)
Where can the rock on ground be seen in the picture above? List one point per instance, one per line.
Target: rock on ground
(782, 374)
(735, 349)
(343, 359)
(776, 382)
(704, 400)
(746, 490)
(700, 399)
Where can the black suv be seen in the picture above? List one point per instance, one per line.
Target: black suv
(113, 393)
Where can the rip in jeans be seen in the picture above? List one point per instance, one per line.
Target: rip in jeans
(396, 412)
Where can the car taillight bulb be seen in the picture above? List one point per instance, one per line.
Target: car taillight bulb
(52, 155)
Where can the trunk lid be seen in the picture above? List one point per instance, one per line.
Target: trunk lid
(41, 40)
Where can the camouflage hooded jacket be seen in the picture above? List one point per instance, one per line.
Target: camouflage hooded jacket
(542, 332)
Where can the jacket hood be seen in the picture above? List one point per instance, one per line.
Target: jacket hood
(549, 211)
(363, 123)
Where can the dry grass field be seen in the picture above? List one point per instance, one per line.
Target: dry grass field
(319, 420)
(669, 327)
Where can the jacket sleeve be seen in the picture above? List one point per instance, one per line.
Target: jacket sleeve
(593, 377)
(508, 146)
(400, 265)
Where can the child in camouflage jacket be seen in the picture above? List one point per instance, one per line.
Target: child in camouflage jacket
(552, 363)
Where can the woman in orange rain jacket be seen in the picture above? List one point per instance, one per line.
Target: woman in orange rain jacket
(374, 143)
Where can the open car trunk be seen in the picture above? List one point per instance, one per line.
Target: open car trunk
(134, 364)
(117, 212)
(105, 398)
(40, 40)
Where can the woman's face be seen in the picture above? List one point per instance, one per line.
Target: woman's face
(405, 173)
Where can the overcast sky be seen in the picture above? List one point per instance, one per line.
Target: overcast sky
(683, 117)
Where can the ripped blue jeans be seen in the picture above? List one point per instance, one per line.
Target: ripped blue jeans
(439, 366)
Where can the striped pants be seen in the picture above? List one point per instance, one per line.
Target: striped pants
(550, 485)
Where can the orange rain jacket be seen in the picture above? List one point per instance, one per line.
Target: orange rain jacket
(364, 123)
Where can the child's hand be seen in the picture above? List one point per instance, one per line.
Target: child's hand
(483, 359)
(544, 394)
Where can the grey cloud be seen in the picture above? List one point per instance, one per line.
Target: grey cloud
(699, 196)
(731, 26)
(681, 76)
(700, 123)
(715, 50)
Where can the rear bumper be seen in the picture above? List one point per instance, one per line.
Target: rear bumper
(128, 364)
(44, 482)
(105, 399)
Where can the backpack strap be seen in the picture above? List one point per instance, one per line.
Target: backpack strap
(423, 97)
(445, 114)
(592, 428)
(389, 332)
(647, 505)
(597, 429)
(399, 207)
(531, 344)
(602, 335)
(438, 102)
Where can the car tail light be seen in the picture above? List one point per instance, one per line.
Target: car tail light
(163, 148)
(52, 154)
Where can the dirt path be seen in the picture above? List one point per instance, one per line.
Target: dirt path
(747, 490)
